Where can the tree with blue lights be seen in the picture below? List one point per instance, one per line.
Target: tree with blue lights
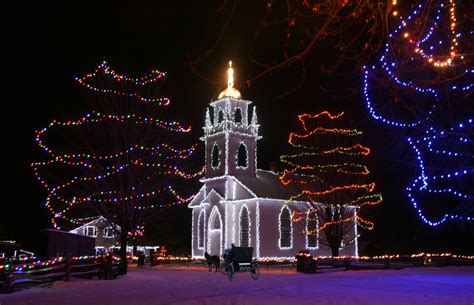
(422, 85)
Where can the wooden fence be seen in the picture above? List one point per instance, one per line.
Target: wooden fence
(307, 264)
(15, 274)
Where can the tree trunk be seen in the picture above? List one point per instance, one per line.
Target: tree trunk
(122, 268)
(135, 245)
(335, 250)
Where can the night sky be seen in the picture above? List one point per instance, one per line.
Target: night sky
(51, 44)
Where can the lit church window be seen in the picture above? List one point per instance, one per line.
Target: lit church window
(311, 229)
(285, 228)
(201, 230)
(244, 227)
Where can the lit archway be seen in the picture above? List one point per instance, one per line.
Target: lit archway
(214, 233)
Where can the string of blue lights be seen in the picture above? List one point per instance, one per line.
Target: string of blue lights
(449, 147)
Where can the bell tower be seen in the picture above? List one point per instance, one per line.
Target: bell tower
(230, 136)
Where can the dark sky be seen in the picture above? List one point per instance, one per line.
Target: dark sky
(48, 45)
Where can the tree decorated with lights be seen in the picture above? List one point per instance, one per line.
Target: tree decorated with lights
(119, 161)
(421, 87)
(326, 167)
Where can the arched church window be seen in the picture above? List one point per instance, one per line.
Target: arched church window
(242, 156)
(238, 116)
(220, 117)
(215, 156)
(311, 229)
(244, 227)
(285, 228)
(201, 230)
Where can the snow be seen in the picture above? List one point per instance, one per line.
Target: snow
(195, 285)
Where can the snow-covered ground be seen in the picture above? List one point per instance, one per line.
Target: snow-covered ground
(167, 285)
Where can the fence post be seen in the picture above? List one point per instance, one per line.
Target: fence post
(109, 273)
(67, 262)
(8, 278)
(152, 261)
(347, 263)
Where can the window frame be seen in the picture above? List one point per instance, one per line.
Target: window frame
(288, 244)
(95, 231)
(201, 229)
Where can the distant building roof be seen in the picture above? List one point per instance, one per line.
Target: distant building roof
(9, 245)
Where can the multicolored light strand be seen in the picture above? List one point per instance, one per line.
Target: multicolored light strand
(438, 61)
(77, 180)
(325, 175)
(104, 69)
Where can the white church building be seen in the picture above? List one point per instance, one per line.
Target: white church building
(241, 204)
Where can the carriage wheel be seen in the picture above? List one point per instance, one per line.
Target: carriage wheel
(223, 269)
(254, 271)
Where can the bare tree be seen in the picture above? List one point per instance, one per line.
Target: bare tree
(327, 170)
(119, 161)
(298, 31)
(420, 87)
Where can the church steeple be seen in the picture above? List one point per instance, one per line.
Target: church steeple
(231, 142)
(208, 119)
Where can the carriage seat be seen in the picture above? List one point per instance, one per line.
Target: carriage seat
(242, 254)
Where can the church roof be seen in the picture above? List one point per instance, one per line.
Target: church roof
(267, 185)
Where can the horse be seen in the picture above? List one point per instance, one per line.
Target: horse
(212, 260)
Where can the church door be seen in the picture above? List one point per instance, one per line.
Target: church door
(215, 234)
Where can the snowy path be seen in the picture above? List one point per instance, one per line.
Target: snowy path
(453, 285)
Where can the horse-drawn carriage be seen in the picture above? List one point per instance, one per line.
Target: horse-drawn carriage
(239, 259)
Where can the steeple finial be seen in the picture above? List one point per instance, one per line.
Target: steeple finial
(230, 91)
(230, 76)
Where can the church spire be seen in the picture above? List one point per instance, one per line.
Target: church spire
(230, 139)
(254, 116)
(208, 119)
